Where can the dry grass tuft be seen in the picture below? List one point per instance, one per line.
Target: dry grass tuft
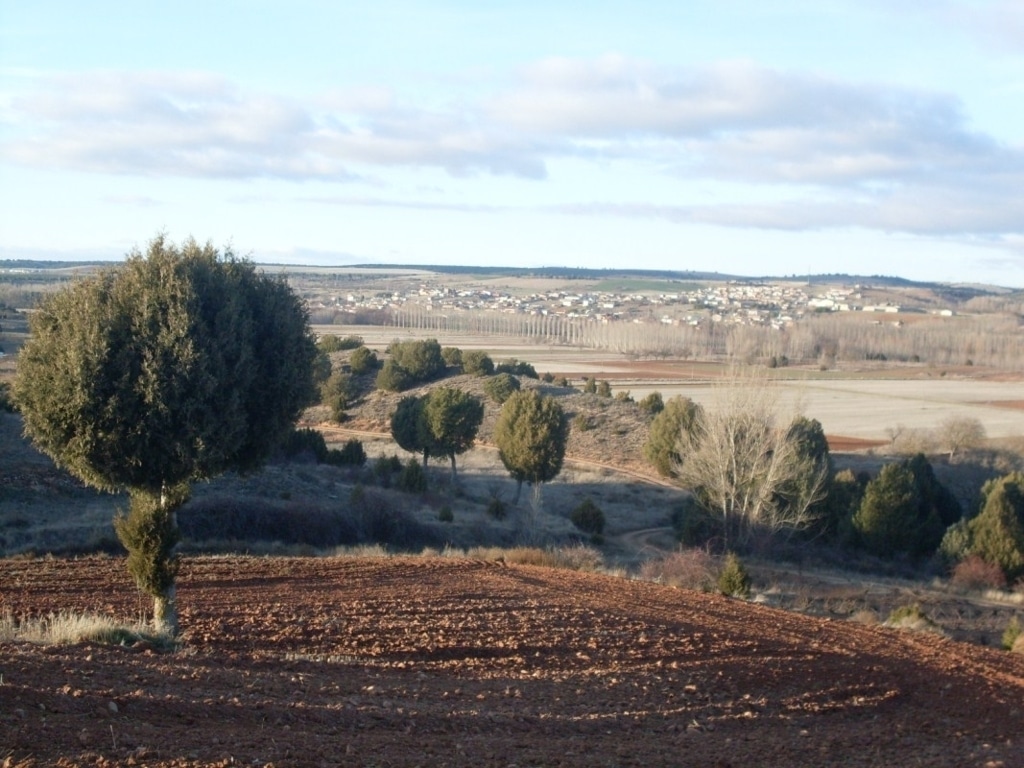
(66, 628)
(913, 618)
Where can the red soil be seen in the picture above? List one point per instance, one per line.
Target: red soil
(416, 661)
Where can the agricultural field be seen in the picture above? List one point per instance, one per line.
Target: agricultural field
(398, 661)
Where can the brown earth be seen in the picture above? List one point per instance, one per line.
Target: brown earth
(420, 661)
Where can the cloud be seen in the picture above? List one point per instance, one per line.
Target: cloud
(832, 153)
(199, 125)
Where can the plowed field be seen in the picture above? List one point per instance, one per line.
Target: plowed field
(435, 662)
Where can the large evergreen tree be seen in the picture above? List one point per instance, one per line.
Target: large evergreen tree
(531, 434)
(887, 520)
(997, 534)
(176, 366)
(450, 420)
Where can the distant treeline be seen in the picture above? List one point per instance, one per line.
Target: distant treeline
(991, 340)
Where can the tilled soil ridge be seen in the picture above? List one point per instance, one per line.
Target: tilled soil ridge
(456, 662)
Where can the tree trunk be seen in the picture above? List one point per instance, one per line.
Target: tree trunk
(519, 490)
(165, 612)
(453, 468)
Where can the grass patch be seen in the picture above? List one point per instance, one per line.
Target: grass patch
(66, 628)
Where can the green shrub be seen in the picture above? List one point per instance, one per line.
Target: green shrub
(561, 381)
(477, 363)
(581, 423)
(517, 367)
(393, 377)
(652, 404)
(911, 617)
(590, 386)
(604, 389)
(350, 454)
(412, 479)
(305, 441)
(445, 514)
(330, 343)
(547, 378)
(363, 360)
(452, 357)
(497, 509)
(588, 517)
(1013, 632)
(337, 393)
(734, 581)
(500, 387)
(623, 396)
(385, 468)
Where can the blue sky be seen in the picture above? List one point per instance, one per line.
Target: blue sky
(860, 136)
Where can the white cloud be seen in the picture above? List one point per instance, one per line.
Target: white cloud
(846, 154)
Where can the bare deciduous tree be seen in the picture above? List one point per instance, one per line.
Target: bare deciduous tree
(957, 433)
(744, 467)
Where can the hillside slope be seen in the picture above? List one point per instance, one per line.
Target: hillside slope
(420, 661)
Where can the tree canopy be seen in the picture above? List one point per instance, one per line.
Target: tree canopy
(176, 366)
(531, 433)
(450, 420)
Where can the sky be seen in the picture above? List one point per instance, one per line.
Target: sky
(740, 136)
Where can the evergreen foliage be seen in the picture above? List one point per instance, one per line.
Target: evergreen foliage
(174, 367)
(407, 427)
(516, 367)
(531, 433)
(678, 415)
(652, 404)
(588, 517)
(363, 360)
(450, 419)
(734, 581)
(337, 394)
(886, 521)
(500, 387)
(997, 533)
(477, 363)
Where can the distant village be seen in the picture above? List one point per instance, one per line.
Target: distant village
(770, 305)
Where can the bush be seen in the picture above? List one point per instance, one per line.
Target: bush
(363, 360)
(337, 394)
(604, 389)
(421, 360)
(652, 404)
(590, 386)
(497, 509)
(385, 468)
(911, 617)
(733, 581)
(477, 363)
(500, 388)
(975, 573)
(445, 514)
(561, 381)
(588, 517)
(351, 454)
(330, 343)
(547, 378)
(305, 442)
(623, 396)
(412, 479)
(1014, 631)
(687, 568)
(517, 367)
(393, 377)
(581, 423)
(452, 357)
